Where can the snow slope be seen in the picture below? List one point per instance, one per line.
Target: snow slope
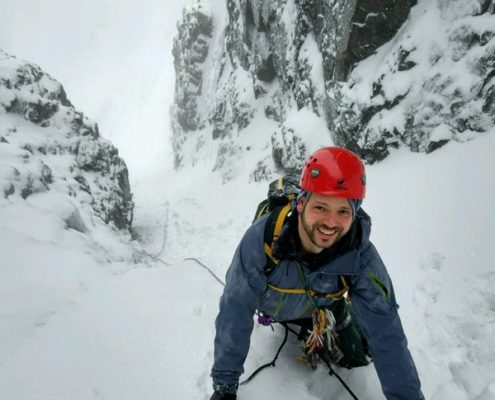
(89, 316)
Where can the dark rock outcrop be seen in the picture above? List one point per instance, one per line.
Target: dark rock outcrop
(47, 145)
(445, 96)
(373, 24)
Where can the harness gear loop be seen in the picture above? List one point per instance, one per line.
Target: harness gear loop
(315, 343)
(321, 340)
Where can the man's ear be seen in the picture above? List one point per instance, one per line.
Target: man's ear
(300, 205)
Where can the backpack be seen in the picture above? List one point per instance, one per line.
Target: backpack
(281, 197)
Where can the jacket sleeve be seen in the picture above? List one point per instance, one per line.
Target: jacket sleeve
(373, 300)
(245, 283)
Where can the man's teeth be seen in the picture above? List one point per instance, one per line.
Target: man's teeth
(326, 231)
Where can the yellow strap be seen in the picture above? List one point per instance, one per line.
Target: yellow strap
(268, 247)
(269, 253)
(280, 222)
(278, 226)
(335, 296)
(291, 291)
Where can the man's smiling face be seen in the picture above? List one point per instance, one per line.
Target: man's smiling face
(323, 220)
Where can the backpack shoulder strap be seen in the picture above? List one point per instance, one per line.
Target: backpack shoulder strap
(273, 228)
(263, 208)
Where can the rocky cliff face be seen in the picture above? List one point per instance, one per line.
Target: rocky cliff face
(429, 86)
(267, 65)
(46, 146)
(190, 51)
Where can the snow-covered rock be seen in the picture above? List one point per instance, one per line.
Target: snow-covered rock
(378, 75)
(271, 59)
(46, 146)
(190, 51)
(433, 83)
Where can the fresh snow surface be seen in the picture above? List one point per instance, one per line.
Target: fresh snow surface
(91, 317)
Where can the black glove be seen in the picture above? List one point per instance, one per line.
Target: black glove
(224, 392)
(223, 396)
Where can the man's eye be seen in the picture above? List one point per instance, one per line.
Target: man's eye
(345, 212)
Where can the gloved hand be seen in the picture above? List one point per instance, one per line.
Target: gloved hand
(223, 396)
(224, 392)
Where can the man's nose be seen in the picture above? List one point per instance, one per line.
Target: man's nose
(332, 219)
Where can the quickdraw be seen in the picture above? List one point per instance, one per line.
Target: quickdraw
(321, 339)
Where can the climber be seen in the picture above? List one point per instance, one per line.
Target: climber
(322, 273)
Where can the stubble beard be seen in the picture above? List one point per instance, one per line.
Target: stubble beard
(313, 234)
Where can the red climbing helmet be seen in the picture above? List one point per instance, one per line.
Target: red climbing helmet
(334, 171)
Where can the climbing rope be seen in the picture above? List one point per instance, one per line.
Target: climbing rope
(165, 226)
(145, 253)
(272, 363)
(205, 267)
(331, 371)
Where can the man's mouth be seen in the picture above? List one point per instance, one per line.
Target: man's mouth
(327, 231)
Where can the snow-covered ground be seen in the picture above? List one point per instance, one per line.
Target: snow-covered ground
(80, 319)
(91, 316)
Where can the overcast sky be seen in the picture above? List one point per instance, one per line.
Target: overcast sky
(113, 58)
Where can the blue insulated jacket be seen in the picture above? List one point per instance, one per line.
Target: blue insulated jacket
(371, 294)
